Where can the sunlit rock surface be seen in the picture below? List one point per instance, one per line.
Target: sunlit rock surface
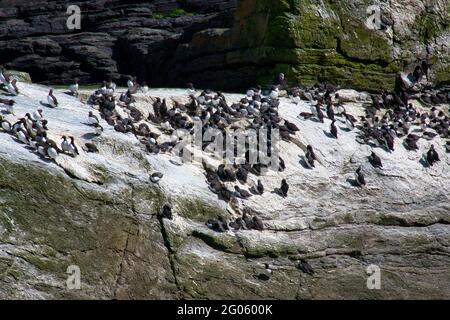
(98, 211)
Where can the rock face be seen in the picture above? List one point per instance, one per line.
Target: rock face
(99, 212)
(227, 44)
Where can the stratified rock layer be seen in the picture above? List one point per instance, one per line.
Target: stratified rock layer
(226, 44)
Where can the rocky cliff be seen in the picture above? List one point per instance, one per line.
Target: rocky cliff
(226, 44)
(98, 211)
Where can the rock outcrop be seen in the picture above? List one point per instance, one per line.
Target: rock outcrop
(226, 44)
(100, 213)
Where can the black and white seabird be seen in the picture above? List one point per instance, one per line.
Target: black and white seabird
(310, 156)
(73, 150)
(90, 147)
(4, 79)
(5, 124)
(241, 193)
(375, 160)
(37, 115)
(65, 145)
(305, 267)
(12, 87)
(260, 187)
(284, 188)
(92, 119)
(9, 105)
(74, 88)
(360, 180)
(98, 129)
(156, 177)
(432, 156)
(333, 129)
(319, 113)
(349, 122)
(51, 99)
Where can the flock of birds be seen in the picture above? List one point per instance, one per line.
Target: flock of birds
(32, 129)
(257, 110)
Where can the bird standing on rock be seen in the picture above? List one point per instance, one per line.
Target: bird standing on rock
(92, 119)
(74, 88)
(65, 145)
(73, 150)
(12, 87)
(98, 129)
(9, 104)
(37, 115)
(310, 156)
(90, 147)
(260, 187)
(4, 79)
(375, 160)
(432, 156)
(284, 188)
(333, 129)
(156, 177)
(360, 180)
(51, 99)
(5, 124)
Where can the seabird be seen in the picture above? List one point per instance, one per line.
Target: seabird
(98, 129)
(257, 223)
(432, 156)
(144, 88)
(375, 160)
(349, 122)
(4, 80)
(51, 99)
(156, 177)
(65, 145)
(92, 119)
(241, 193)
(73, 150)
(260, 187)
(410, 142)
(360, 180)
(12, 87)
(37, 115)
(51, 150)
(90, 147)
(6, 125)
(74, 88)
(131, 83)
(274, 93)
(310, 156)
(190, 89)
(305, 267)
(22, 135)
(319, 113)
(333, 129)
(9, 104)
(330, 112)
(284, 188)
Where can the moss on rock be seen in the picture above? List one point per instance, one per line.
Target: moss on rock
(52, 221)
